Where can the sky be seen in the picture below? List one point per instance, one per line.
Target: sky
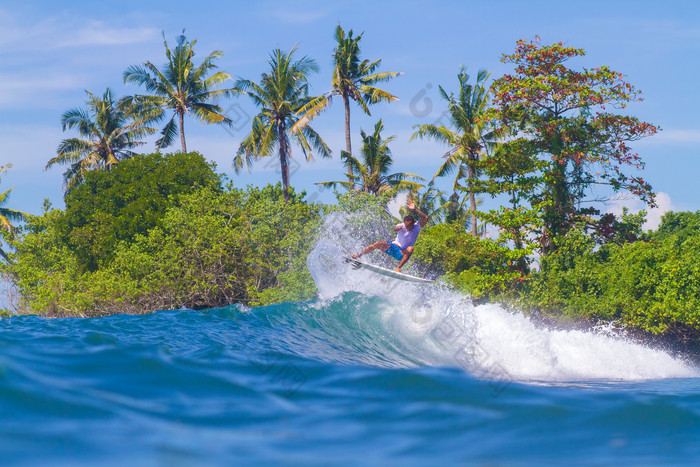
(52, 52)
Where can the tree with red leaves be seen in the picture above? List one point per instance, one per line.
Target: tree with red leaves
(568, 124)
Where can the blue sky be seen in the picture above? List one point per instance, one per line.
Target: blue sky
(51, 52)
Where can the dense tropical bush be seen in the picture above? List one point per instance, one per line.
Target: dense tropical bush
(162, 233)
(652, 285)
(112, 207)
(481, 267)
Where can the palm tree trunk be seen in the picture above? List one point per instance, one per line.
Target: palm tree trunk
(472, 199)
(182, 132)
(283, 162)
(348, 145)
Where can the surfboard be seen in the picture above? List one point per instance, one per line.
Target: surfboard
(357, 264)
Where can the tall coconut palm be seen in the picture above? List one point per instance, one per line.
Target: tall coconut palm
(109, 129)
(182, 87)
(280, 94)
(470, 139)
(372, 173)
(353, 79)
(7, 215)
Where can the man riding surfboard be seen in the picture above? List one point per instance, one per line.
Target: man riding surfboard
(407, 232)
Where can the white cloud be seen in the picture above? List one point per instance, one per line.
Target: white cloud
(691, 136)
(19, 33)
(634, 205)
(299, 17)
(19, 88)
(97, 33)
(664, 205)
(61, 53)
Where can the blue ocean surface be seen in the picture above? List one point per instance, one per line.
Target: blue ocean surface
(373, 372)
(323, 382)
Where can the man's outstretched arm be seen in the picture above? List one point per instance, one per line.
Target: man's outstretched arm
(423, 216)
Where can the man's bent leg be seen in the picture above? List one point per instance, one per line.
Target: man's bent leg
(406, 255)
(380, 245)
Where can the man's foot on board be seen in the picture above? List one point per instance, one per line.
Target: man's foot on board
(355, 256)
(398, 269)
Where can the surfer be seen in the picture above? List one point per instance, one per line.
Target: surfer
(407, 232)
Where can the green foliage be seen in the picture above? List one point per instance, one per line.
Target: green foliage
(359, 202)
(480, 267)
(44, 267)
(560, 136)
(653, 286)
(569, 277)
(111, 207)
(282, 94)
(613, 229)
(678, 225)
(109, 130)
(364, 211)
(181, 87)
(211, 249)
(216, 249)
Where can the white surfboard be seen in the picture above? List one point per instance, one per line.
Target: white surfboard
(386, 272)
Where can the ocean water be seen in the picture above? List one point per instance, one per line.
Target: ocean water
(373, 372)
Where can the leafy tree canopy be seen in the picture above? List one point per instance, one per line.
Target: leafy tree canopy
(680, 225)
(570, 122)
(109, 207)
(213, 248)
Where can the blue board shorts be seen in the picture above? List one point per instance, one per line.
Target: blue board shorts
(394, 251)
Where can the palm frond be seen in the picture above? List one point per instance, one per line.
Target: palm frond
(353, 78)
(378, 77)
(316, 142)
(168, 134)
(209, 113)
(374, 95)
(440, 134)
(182, 86)
(309, 111)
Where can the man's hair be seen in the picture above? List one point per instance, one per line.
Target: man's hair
(408, 218)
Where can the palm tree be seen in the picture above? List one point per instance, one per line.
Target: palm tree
(181, 87)
(352, 80)
(7, 215)
(280, 94)
(109, 129)
(433, 202)
(469, 141)
(372, 172)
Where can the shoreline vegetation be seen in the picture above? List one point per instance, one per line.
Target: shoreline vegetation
(145, 232)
